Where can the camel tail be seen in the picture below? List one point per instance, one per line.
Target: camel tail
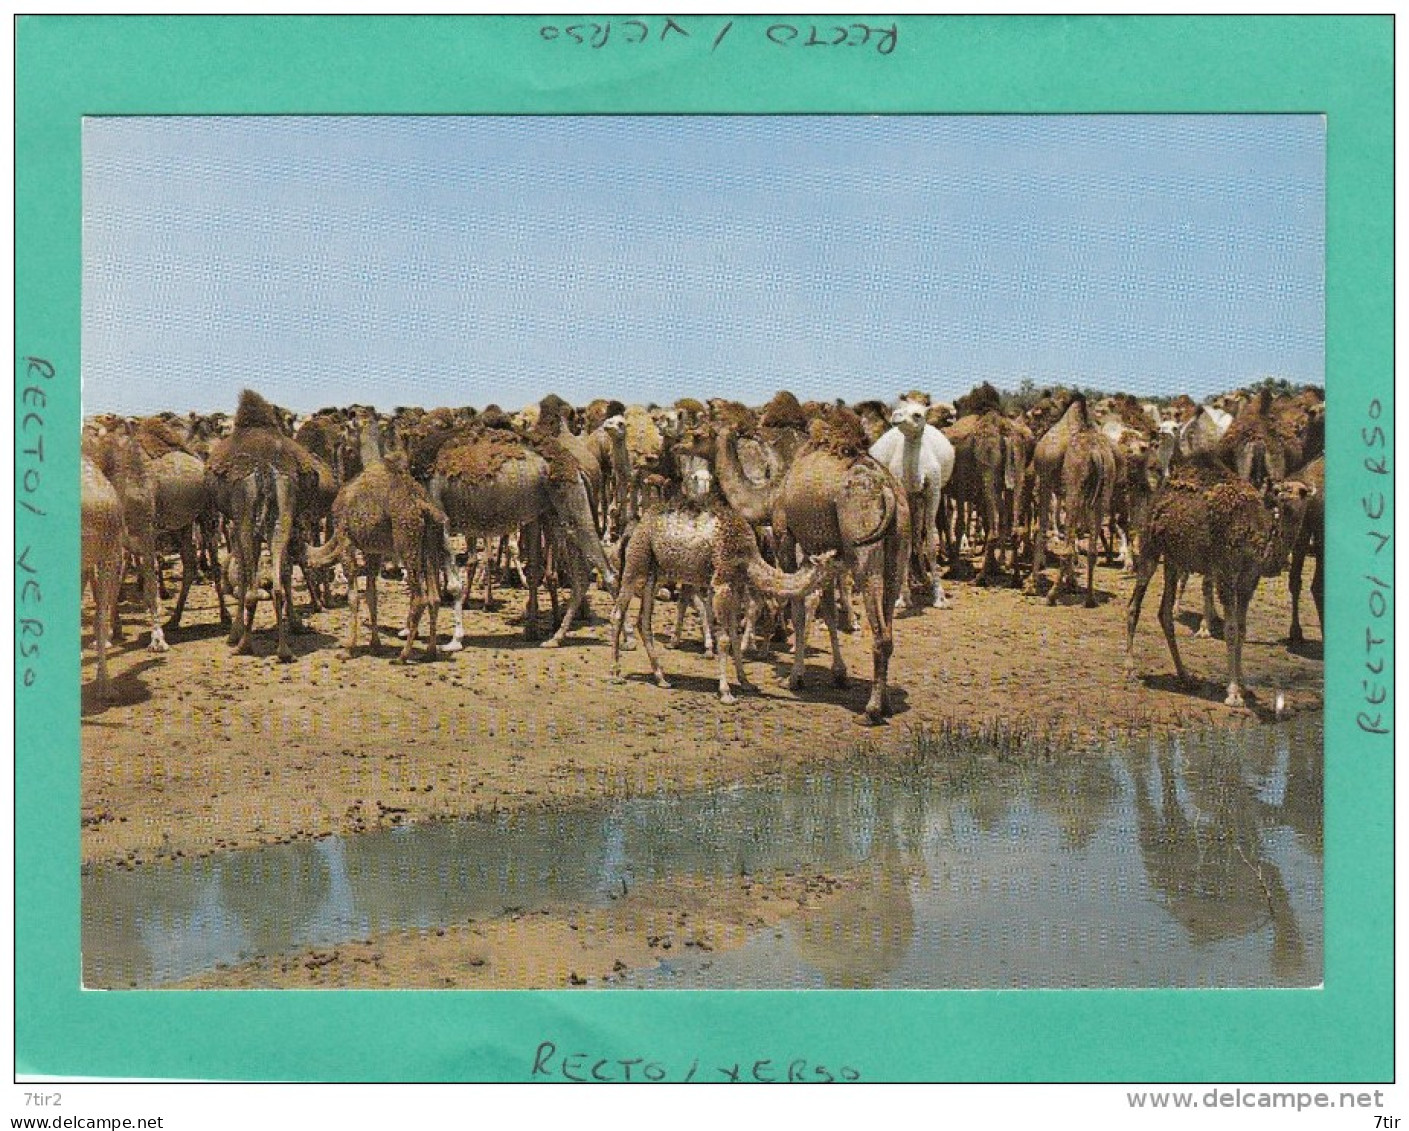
(431, 557)
(266, 502)
(883, 527)
(1093, 485)
(1258, 473)
(1011, 471)
(330, 551)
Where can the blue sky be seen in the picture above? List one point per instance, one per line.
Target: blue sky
(468, 260)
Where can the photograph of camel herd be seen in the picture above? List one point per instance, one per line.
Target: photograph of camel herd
(702, 552)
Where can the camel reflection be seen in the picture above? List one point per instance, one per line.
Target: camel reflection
(1202, 828)
(859, 932)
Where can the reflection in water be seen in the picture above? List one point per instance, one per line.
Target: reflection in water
(1202, 827)
(1185, 862)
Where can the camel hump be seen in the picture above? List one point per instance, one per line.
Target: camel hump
(255, 412)
(866, 506)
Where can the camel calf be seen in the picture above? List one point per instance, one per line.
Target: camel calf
(706, 545)
(387, 515)
(1206, 519)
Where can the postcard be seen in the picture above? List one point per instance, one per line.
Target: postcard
(837, 533)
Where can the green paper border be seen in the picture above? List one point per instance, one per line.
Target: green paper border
(67, 67)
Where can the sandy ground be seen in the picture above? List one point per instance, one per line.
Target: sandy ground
(204, 751)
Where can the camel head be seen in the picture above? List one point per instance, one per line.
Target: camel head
(699, 482)
(909, 417)
(615, 426)
(1287, 500)
(941, 415)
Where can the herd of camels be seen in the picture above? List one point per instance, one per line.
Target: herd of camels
(755, 516)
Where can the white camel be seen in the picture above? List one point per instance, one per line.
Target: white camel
(921, 457)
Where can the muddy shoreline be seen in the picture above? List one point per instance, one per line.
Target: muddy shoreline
(203, 751)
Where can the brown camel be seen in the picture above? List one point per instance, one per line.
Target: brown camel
(491, 482)
(120, 458)
(987, 468)
(1261, 445)
(101, 558)
(387, 516)
(1312, 539)
(835, 497)
(182, 505)
(260, 478)
(1048, 457)
(1206, 519)
(703, 544)
(1088, 485)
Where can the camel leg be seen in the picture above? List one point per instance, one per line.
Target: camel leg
(1144, 571)
(749, 641)
(430, 583)
(620, 608)
(1166, 619)
(827, 610)
(882, 644)
(104, 582)
(1065, 572)
(931, 548)
(1235, 603)
(148, 565)
(677, 634)
(725, 604)
(1039, 545)
(732, 622)
(1091, 572)
(644, 629)
(354, 602)
(187, 546)
(374, 568)
(532, 547)
(246, 563)
(797, 680)
(1296, 636)
(415, 603)
(707, 622)
(1205, 630)
(458, 584)
(578, 578)
(902, 599)
(213, 557)
(281, 559)
(1318, 591)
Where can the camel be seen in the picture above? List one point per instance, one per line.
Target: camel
(491, 482)
(921, 457)
(119, 456)
(834, 496)
(101, 557)
(387, 515)
(1048, 457)
(259, 478)
(987, 467)
(703, 544)
(1261, 445)
(604, 459)
(1206, 519)
(182, 504)
(1137, 478)
(1088, 485)
(1312, 539)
